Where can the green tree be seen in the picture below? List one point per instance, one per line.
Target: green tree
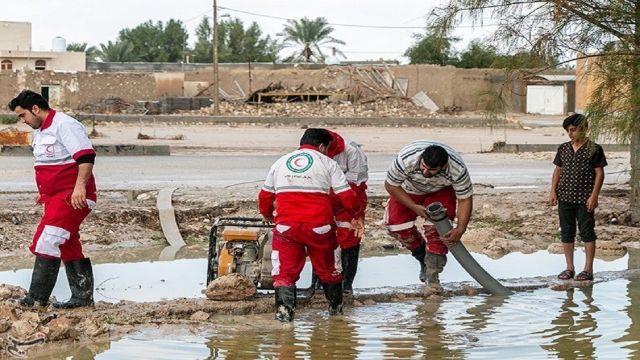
(478, 56)
(235, 43)
(308, 36)
(118, 51)
(91, 52)
(203, 48)
(431, 49)
(608, 32)
(157, 42)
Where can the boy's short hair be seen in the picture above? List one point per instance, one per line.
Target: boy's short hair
(577, 120)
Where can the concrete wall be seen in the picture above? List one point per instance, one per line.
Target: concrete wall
(15, 36)
(584, 84)
(59, 61)
(446, 86)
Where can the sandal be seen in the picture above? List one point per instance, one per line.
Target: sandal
(566, 274)
(585, 276)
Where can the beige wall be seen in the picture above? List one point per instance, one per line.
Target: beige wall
(59, 61)
(446, 86)
(15, 36)
(584, 84)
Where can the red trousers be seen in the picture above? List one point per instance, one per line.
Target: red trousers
(57, 235)
(345, 232)
(400, 221)
(292, 244)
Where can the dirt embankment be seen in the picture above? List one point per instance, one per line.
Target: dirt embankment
(502, 222)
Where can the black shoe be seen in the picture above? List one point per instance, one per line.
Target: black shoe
(43, 279)
(285, 303)
(349, 258)
(80, 276)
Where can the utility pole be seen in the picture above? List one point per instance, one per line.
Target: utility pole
(216, 87)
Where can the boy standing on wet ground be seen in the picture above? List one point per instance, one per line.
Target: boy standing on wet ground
(575, 187)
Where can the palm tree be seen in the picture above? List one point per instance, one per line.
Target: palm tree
(308, 36)
(118, 51)
(91, 52)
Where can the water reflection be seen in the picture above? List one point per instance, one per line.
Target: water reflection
(598, 321)
(573, 333)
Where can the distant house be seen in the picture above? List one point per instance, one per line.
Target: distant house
(552, 94)
(16, 52)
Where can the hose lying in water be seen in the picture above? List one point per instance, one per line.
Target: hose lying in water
(438, 216)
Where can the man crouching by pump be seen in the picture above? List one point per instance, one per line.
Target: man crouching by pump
(295, 196)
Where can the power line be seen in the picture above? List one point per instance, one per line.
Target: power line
(349, 25)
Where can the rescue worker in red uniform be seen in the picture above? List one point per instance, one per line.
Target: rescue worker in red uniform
(353, 163)
(295, 196)
(64, 159)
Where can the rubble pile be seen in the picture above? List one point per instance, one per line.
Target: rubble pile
(390, 107)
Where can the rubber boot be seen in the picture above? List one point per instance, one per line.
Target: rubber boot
(315, 281)
(435, 265)
(285, 303)
(333, 293)
(43, 279)
(349, 258)
(420, 254)
(80, 276)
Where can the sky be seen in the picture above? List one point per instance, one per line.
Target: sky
(96, 22)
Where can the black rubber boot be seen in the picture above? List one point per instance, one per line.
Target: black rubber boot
(80, 276)
(333, 293)
(349, 259)
(43, 279)
(435, 265)
(420, 254)
(285, 303)
(315, 281)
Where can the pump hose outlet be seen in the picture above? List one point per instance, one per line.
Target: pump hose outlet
(438, 216)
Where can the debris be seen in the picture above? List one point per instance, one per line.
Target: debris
(421, 99)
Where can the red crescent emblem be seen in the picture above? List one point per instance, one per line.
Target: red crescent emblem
(295, 162)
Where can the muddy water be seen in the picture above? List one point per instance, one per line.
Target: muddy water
(600, 321)
(166, 280)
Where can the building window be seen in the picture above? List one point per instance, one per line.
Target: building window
(6, 65)
(41, 65)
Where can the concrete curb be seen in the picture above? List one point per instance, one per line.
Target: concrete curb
(105, 150)
(440, 121)
(517, 148)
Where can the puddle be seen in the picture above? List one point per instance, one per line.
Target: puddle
(167, 280)
(599, 321)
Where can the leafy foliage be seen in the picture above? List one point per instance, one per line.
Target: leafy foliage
(236, 44)
(157, 42)
(118, 51)
(91, 52)
(605, 34)
(308, 37)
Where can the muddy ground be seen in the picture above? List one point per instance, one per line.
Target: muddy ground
(126, 222)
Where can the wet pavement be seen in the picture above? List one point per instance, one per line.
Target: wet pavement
(152, 173)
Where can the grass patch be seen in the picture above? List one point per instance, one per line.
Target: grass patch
(506, 226)
(7, 119)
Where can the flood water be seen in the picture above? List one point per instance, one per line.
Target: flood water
(587, 323)
(167, 280)
(599, 321)
(595, 322)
